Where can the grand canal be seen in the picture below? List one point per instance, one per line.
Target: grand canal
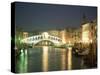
(47, 58)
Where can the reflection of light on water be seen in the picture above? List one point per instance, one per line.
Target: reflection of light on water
(23, 62)
(69, 58)
(63, 61)
(22, 53)
(26, 51)
(45, 58)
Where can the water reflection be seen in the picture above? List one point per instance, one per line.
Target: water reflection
(45, 58)
(63, 59)
(69, 58)
(22, 63)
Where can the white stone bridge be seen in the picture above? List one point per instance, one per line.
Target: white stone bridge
(34, 40)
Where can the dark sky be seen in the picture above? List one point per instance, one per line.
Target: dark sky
(33, 16)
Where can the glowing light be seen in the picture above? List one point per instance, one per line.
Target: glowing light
(69, 58)
(63, 57)
(26, 51)
(23, 63)
(45, 58)
(63, 37)
(21, 51)
(85, 37)
(85, 33)
(45, 34)
(90, 41)
(69, 42)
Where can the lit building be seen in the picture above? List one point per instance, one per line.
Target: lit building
(73, 35)
(69, 35)
(54, 32)
(89, 32)
(63, 35)
(89, 39)
(94, 35)
(25, 34)
(76, 35)
(86, 33)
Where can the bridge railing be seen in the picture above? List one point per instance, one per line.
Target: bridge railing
(38, 38)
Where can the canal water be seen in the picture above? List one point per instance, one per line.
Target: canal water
(46, 58)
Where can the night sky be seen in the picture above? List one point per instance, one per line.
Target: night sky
(35, 16)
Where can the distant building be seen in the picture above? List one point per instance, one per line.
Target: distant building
(89, 32)
(89, 40)
(73, 35)
(86, 33)
(54, 32)
(25, 34)
(88, 29)
(63, 36)
(69, 35)
(94, 35)
(76, 35)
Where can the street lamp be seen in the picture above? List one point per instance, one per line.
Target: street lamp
(91, 41)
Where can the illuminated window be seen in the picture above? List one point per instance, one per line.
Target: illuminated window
(85, 36)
